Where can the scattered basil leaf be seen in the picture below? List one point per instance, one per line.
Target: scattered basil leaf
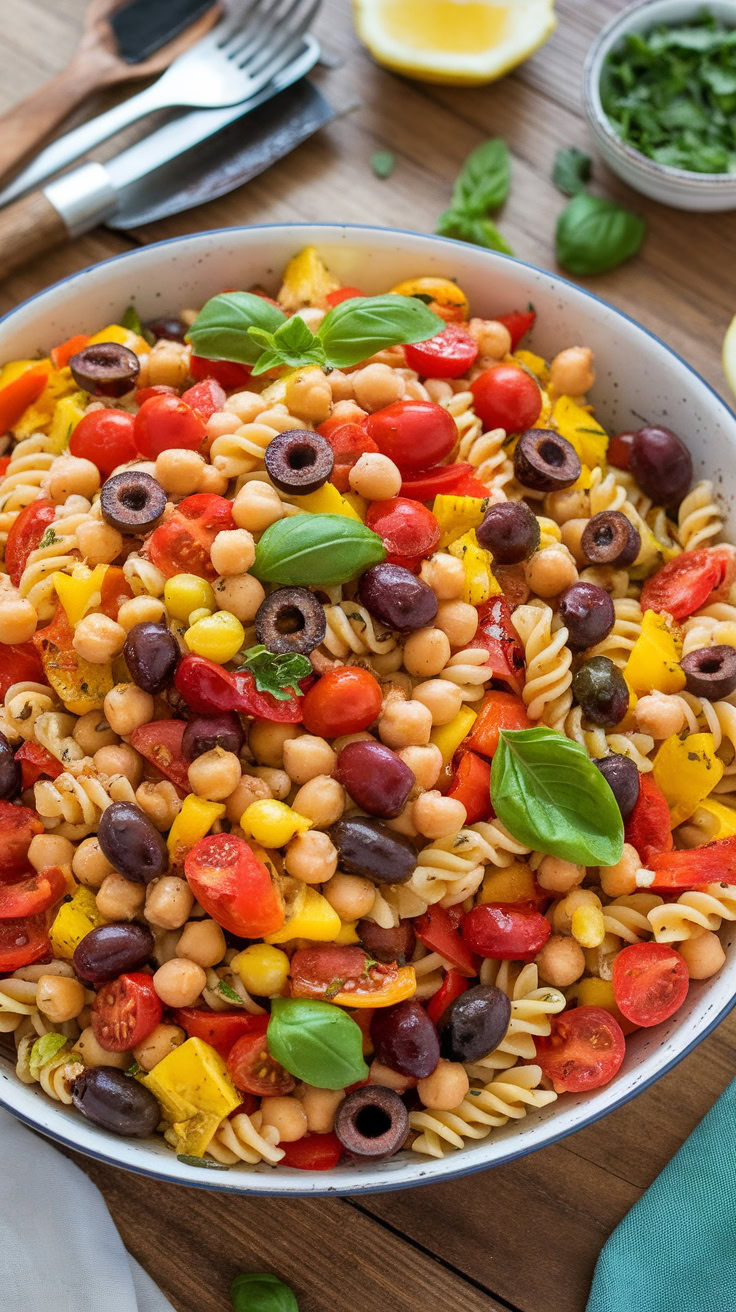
(548, 793)
(316, 1042)
(277, 674)
(360, 327)
(484, 181)
(571, 170)
(316, 551)
(595, 235)
(261, 1292)
(220, 330)
(205, 1162)
(383, 163)
(227, 992)
(44, 1050)
(472, 228)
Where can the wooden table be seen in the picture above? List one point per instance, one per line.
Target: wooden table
(526, 1236)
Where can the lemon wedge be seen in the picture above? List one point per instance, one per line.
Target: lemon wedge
(729, 355)
(460, 42)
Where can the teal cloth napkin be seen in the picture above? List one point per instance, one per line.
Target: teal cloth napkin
(675, 1251)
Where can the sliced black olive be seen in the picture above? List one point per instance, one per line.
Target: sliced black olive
(710, 671)
(545, 462)
(372, 1122)
(106, 369)
(299, 461)
(291, 620)
(132, 502)
(611, 539)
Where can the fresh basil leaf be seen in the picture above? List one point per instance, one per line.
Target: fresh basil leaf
(595, 235)
(316, 1042)
(475, 229)
(292, 345)
(316, 551)
(383, 163)
(277, 674)
(548, 793)
(484, 180)
(360, 327)
(571, 170)
(261, 1292)
(220, 330)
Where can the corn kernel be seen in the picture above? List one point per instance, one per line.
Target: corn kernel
(187, 592)
(218, 637)
(588, 927)
(201, 613)
(272, 823)
(263, 969)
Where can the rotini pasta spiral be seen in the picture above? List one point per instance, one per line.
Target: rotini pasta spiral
(57, 550)
(701, 909)
(29, 464)
(143, 576)
(598, 743)
(244, 1139)
(486, 452)
(25, 703)
(509, 1097)
(237, 453)
(531, 1007)
(53, 730)
(56, 1076)
(546, 693)
(627, 917)
(17, 1000)
(618, 645)
(72, 804)
(698, 518)
(351, 629)
(468, 670)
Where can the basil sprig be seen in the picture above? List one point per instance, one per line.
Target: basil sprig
(595, 234)
(550, 795)
(316, 1042)
(277, 673)
(261, 1292)
(316, 551)
(482, 185)
(246, 328)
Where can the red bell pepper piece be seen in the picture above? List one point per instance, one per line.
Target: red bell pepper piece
(210, 689)
(498, 710)
(18, 663)
(648, 827)
(18, 395)
(342, 294)
(472, 787)
(429, 483)
(437, 930)
(715, 862)
(498, 636)
(316, 1152)
(35, 761)
(451, 987)
(25, 535)
(221, 1029)
(518, 322)
(62, 354)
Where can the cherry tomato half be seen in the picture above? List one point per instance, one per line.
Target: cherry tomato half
(349, 441)
(452, 986)
(346, 700)
(125, 1011)
(650, 982)
(684, 584)
(584, 1050)
(346, 975)
(435, 929)
(23, 941)
(315, 1152)
(182, 544)
(414, 434)
(165, 423)
(233, 886)
(505, 931)
(428, 483)
(228, 373)
(408, 530)
(507, 397)
(36, 761)
(106, 437)
(648, 828)
(205, 398)
(221, 1029)
(31, 896)
(448, 355)
(496, 633)
(18, 825)
(160, 742)
(209, 689)
(252, 1069)
(25, 535)
(156, 389)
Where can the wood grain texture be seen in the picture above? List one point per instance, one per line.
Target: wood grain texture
(525, 1236)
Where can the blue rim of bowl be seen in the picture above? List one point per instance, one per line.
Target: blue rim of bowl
(291, 1184)
(607, 38)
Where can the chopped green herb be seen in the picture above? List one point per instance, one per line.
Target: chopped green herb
(48, 538)
(383, 163)
(133, 1070)
(278, 675)
(229, 993)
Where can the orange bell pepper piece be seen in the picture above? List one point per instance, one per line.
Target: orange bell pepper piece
(498, 710)
(62, 354)
(18, 395)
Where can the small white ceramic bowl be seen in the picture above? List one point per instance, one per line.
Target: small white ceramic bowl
(670, 186)
(638, 377)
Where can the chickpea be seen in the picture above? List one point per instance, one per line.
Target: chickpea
(169, 902)
(249, 789)
(166, 365)
(120, 899)
(93, 1054)
(90, 865)
(442, 699)
(376, 386)
(179, 982)
(121, 759)
(351, 896)
(320, 1106)
(127, 707)
(550, 571)
(405, 724)
(493, 338)
(98, 542)
(320, 800)
(563, 912)
(246, 406)
(346, 739)
(375, 477)
(571, 372)
(202, 941)
(233, 551)
(311, 857)
(620, 880)
(341, 386)
(436, 816)
(92, 731)
(59, 999)
(458, 621)
(98, 639)
(213, 480)
(18, 619)
(160, 802)
(568, 503)
(403, 823)
(71, 476)
(444, 575)
(223, 422)
(389, 1079)
(215, 774)
(138, 610)
(425, 764)
(426, 652)
(257, 506)
(559, 876)
(49, 850)
(162, 1040)
(241, 596)
(312, 316)
(277, 781)
(307, 756)
(266, 741)
(572, 536)
(659, 715)
(179, 471)
(445, 1088)
(703, 955)
(561, 961)
(286, 1115)
(309, 396)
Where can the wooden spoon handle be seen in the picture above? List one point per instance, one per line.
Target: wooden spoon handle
(29, 227)
(25, 126)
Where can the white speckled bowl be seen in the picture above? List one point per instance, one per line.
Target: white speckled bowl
(677, 187)
(638, 378)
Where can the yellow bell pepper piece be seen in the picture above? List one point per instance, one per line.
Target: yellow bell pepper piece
(312, 917)
(326, 501)
(687, 770)
(443, 291)
(398, 990)
(114, 332)
(585, 479)
(448, 737)
(359, 504)
(348, 933)
(480, 582)
(515, 883)
(80, 591)
(272, 823)
(73, 921)
(68, 413)
(307, 281)
(536, 364)
(79, 684)
(195, 819)
(38, 417)
(455, 515)
(595, 992)
(192, 1138)
(190, 1082)
(14, 368)
(654, 663)
(577, 424)
(722, 819)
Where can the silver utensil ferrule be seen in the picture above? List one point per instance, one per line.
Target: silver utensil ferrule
(83, 198)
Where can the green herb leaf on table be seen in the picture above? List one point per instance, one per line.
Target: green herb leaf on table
(316, 1042)
(481, 186)
(550, 795)
(277, 674)
(360, 327)
(595, 234)
(571, 170)
(220, 330)
(316, 551)
(383, 163)
(472, 228)
(261, 1292)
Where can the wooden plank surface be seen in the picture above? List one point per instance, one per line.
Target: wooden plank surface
(527, 1235)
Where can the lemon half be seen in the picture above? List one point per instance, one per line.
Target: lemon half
(729, 355)
(461, 42)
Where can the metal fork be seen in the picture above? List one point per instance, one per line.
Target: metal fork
(241, 54)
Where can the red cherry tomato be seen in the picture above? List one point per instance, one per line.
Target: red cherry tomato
(62, 354)
(407, 529)
(648, 827)
(106, 437)
(346, 700)
(252, 1069)
(518, 322)
(619, 450)
(25, 534)
(342, 294)
(221, 1029)
(349, 442)
(448, 355)
(329, 971)
(233, 886)
(125, 1011)
(35, 761)
(160, 742)
(158, 389)
(437, 932)
(228, 373)
(505, 931)
(498, 710)
(18, 825)
(31, 896)
(209, 689)
(429, 483)
(684, 584)
(472, 786)
(182, 544)
(507, 397)
(414, 434)
(452, 986)
(205, 397)
(584, 1050)
(165, 423)
(315, 1152)
(712, 863)
(471, 487)
(650, 982)
(20, 662)
(23, 941)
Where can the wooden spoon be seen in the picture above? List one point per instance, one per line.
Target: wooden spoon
(96, 64)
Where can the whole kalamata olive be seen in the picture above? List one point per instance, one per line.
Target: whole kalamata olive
(601, 690)
(510, 531)
(116, 1102)
(622, 777)
(405, 1039)
(11, 775)
(395, 943)
(372, 1122)
(366, 847)
(474, 1024)
(105, 369)
(661, 465)
(711, 671)
(174, 330)
(131, 843)
(397, 598)
(152, 654)
(108, 951)
(378, 781)
(588, 614)
(206, 732)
